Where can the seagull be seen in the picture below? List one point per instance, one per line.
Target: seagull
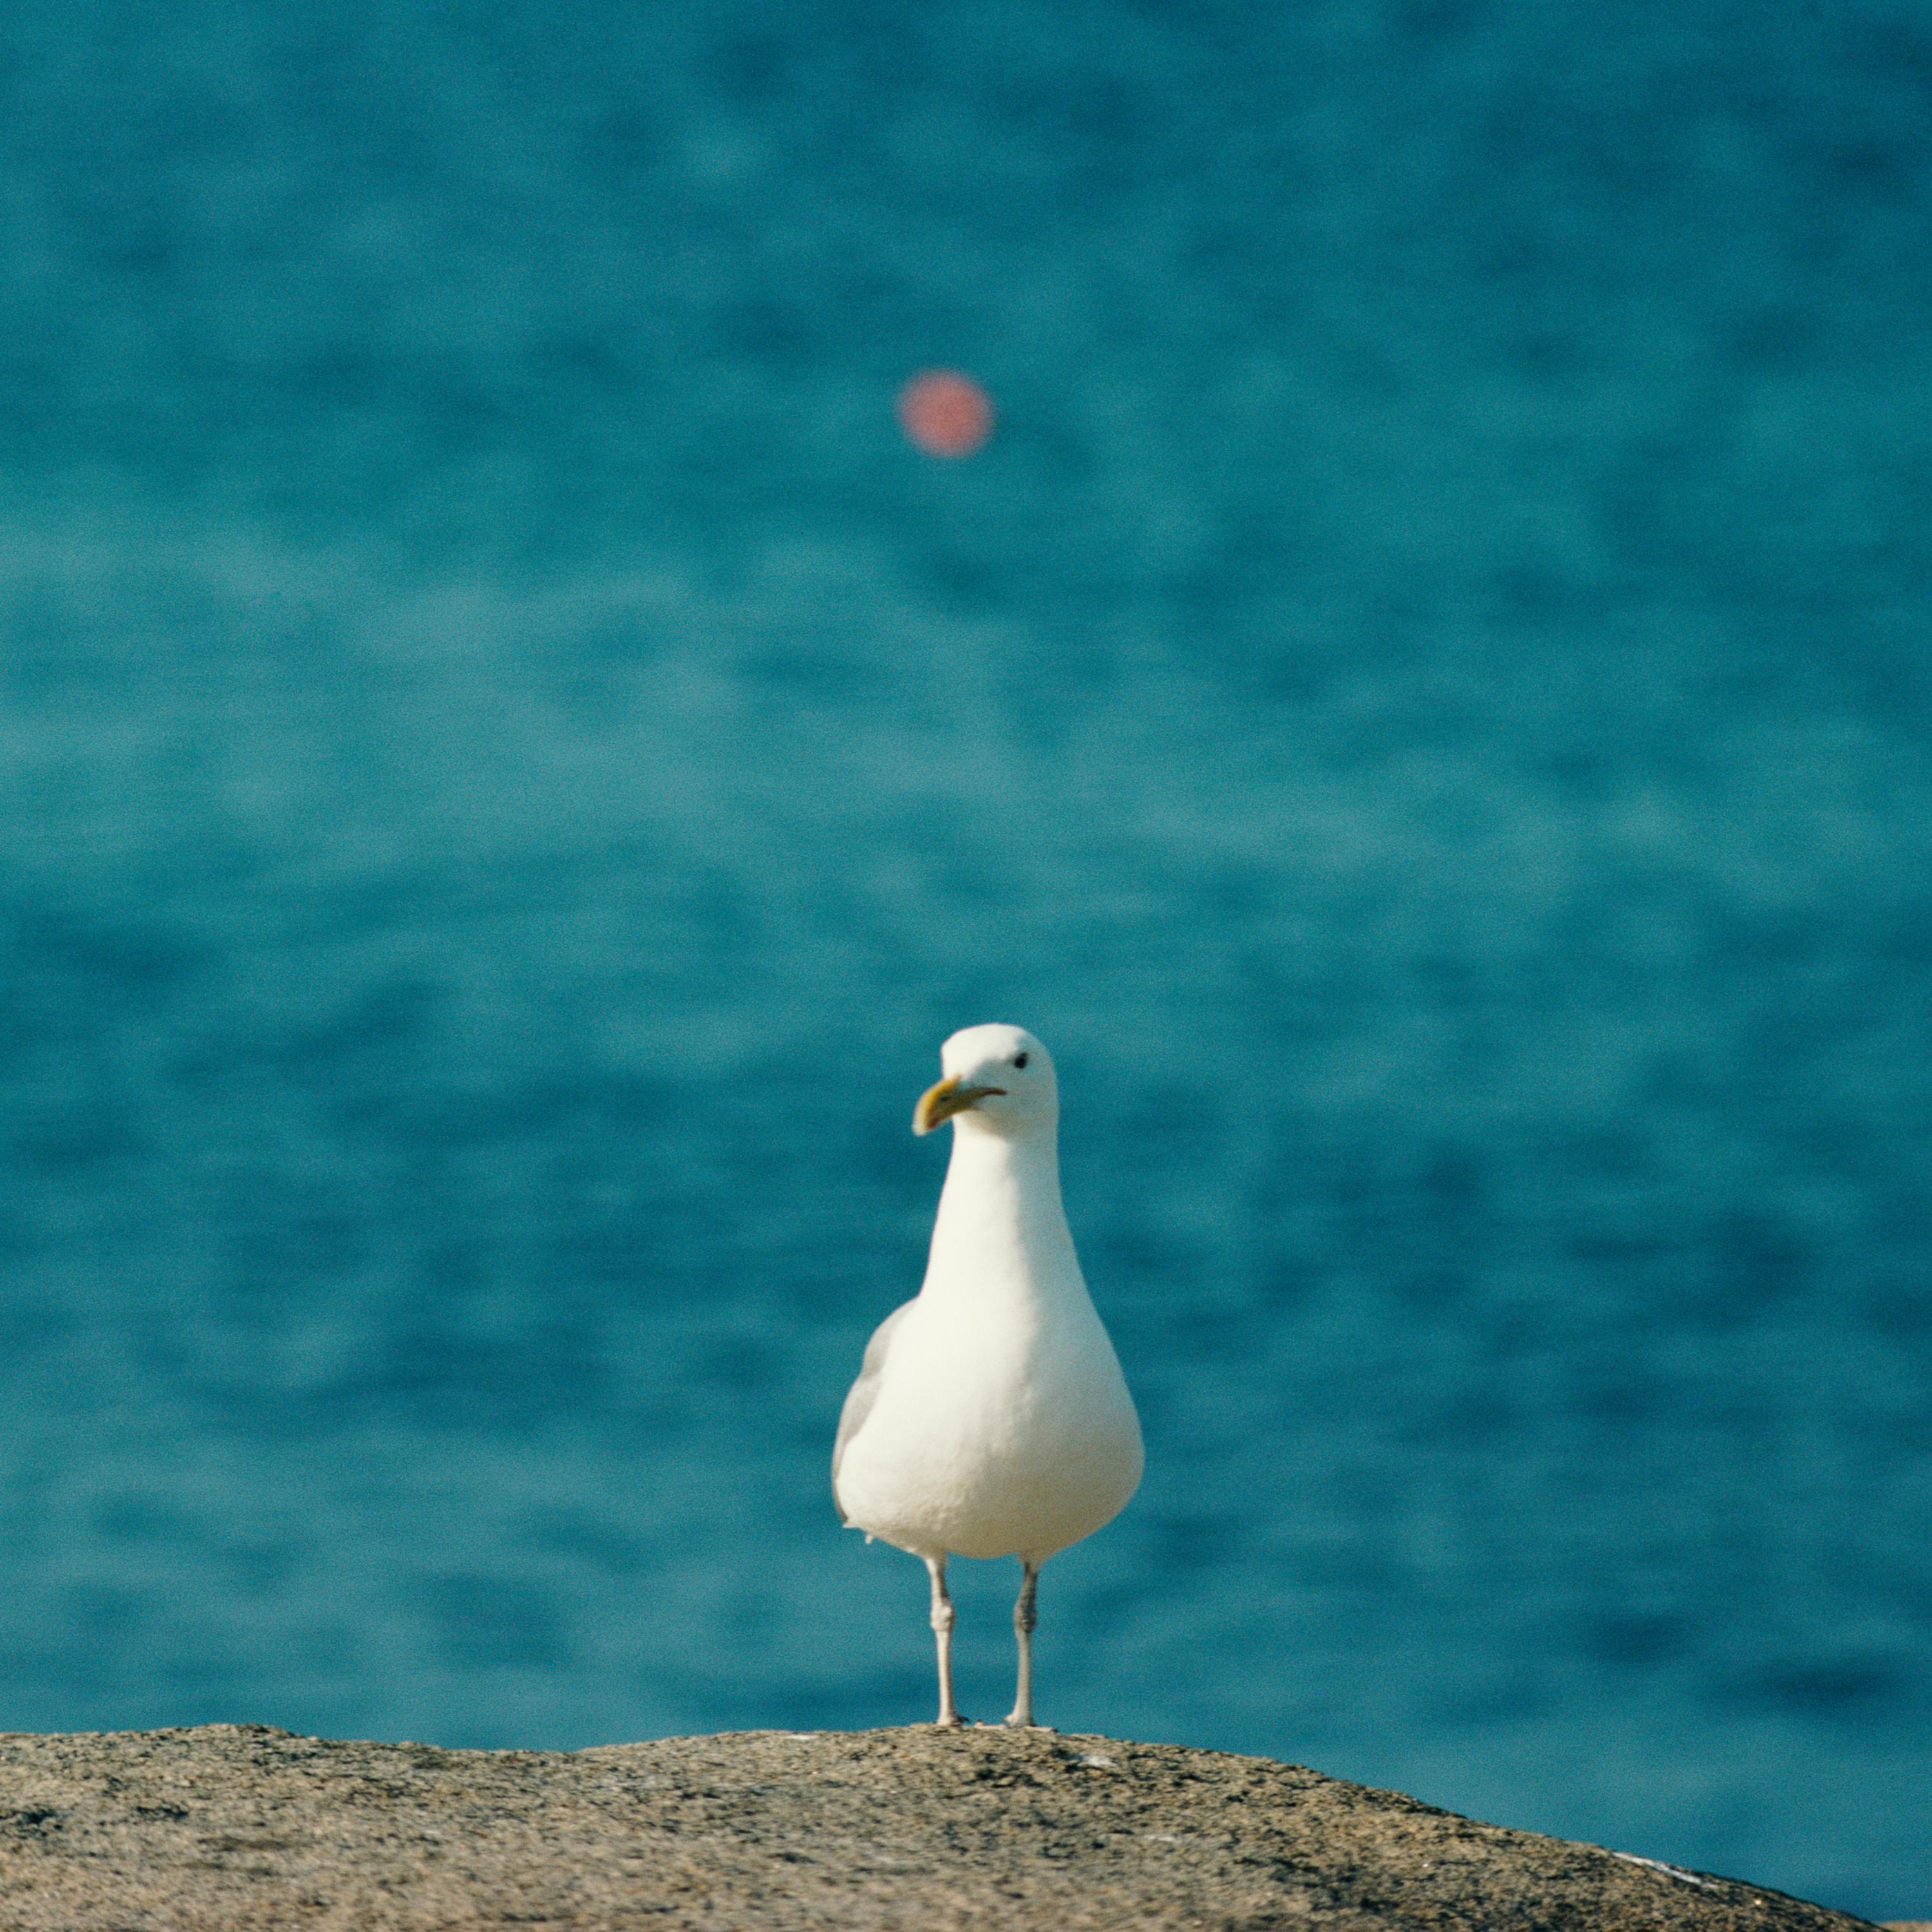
(990, 1417)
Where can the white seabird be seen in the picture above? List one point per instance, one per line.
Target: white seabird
(990, 1417)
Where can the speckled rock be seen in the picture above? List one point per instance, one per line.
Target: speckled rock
(241, 1826)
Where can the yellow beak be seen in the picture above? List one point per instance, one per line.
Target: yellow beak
(941, 1102)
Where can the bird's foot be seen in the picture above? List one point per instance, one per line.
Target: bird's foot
(1023, 1720)
(950, 1720)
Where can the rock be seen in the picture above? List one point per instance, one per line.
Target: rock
(233, 1826)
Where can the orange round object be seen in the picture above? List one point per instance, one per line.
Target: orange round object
(945, 413)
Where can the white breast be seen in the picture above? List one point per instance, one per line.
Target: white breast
(1002, 1425)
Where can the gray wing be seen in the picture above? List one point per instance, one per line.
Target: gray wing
(864, 1393)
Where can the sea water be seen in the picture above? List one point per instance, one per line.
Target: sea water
(512, 767)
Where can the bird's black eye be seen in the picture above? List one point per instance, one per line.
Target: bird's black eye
(1019, 1060)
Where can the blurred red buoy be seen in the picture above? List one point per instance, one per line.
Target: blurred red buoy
(945, 413)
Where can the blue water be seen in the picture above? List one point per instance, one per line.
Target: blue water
(512, 767)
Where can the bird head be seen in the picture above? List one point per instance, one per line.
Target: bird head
(999, 1079)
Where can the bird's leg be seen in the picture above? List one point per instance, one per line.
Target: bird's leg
(942, 1632)
(1024, 1621)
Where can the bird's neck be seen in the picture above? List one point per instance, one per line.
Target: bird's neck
(1001, 1229)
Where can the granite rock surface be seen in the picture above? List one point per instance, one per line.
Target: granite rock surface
(234, 1826)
